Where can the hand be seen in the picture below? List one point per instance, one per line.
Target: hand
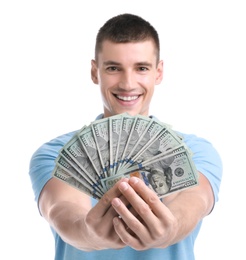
(99, 222)
(150, 225)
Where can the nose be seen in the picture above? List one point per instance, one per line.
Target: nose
(126, 80)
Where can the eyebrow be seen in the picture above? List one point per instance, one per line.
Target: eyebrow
(143, 63)
(110, 62)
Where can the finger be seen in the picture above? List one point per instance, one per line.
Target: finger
(150, 197)
(102, 213)
(132, 221)
(104, 204)
(127, 236)
(147, 205)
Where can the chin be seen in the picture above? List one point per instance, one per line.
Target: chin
(128, 111)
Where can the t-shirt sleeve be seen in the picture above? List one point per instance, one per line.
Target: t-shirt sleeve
(207, 161)
(42, 162)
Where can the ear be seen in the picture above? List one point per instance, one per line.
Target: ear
(94, 76)
(159, 74)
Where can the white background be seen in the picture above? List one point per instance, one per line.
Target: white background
(45, 53)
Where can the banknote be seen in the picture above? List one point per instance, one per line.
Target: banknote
(115, 128)
(76, 152)
(77, 173)
(127, 126)
(88, 143)
(64, 176)
(108, 149)
(165, 140)
(100, 130)
(139, 127)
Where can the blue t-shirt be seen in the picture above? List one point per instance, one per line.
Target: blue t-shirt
(207, 161)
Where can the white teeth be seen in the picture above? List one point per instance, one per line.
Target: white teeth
(127, 98)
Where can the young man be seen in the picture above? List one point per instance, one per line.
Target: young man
(127, 68)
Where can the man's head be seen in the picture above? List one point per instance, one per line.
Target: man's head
(127, 65)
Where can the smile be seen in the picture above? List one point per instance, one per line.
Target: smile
(128, 98)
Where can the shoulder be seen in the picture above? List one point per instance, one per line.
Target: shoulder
(42, 161)
(201, 147)
(52, 147)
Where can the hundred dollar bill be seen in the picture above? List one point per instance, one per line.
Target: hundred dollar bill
(115, 127)
(64, 176)
(171, 151)
(161, 160)
(139, 127)
(165, 140)
(88, 143)
(76, 172)
(100, 129)
(127, 123)
(146, 138)
(165, 178)
(75, 150)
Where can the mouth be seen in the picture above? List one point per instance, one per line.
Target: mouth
(127, 98)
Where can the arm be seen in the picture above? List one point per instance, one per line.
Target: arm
(70, 213)
(160, 224)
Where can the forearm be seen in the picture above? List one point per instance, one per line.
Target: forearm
(69, 222)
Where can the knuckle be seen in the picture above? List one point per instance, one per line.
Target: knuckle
(105, 199)
(89, 220)
(144, 209)
(152, 199)
(134, 225)
(158, 233)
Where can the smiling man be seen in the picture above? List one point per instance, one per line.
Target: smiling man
(129, 221)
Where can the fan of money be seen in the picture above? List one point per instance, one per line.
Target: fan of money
(106, 150)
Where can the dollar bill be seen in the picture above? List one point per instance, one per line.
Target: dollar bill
(64, 176)
(100, 130)
(139, 127)
(74, 149)
(115, 128)
(146, 139)
(65, 162)
(88, 143)
(127, 126)
(165, 140)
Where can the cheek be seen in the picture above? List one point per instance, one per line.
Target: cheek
(149, 94)
(106, 96)
(149, 84)
(104, 86)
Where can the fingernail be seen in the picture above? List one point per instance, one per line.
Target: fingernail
(116, 202)
(134, 180)
(123, 186)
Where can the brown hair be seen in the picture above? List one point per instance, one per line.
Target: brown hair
(126, 28)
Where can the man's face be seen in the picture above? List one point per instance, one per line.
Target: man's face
(127, 74)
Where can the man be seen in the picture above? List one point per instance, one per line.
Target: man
(126, 67)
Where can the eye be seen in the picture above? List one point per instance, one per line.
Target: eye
(112, 68)
(143, 69)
